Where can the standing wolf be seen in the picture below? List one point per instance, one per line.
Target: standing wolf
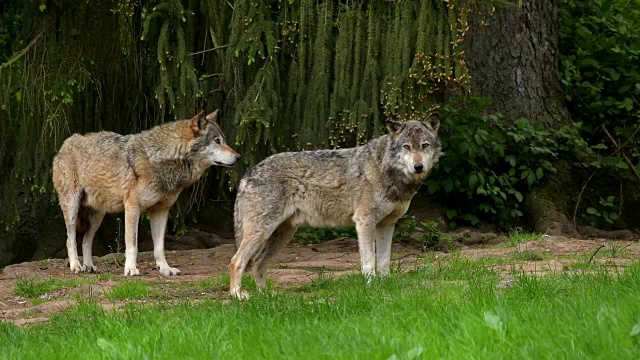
(370, 186)
(105, 172)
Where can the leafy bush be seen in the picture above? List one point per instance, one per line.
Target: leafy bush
(310, 235)
(600, 71)
(425, 232)
(489, 164)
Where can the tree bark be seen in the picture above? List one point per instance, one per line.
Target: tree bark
(513, 59)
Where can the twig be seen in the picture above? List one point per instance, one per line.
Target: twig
(21, 53)
(212, 49)
(115, 260)
(210, 75)
(575, 211)
(594, 254)
(633, 168)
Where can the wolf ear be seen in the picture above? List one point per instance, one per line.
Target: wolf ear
(393, 126)
(212, 117)
(198, 123)
(433, 121)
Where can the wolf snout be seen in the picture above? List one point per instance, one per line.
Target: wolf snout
(418, 168)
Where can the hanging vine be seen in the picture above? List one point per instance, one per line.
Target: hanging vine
(287, 74)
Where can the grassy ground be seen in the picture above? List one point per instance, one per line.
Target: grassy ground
(457, 309)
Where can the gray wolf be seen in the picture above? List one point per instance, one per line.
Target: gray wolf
(370, 186)
(105, 172)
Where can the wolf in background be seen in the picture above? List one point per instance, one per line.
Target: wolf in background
(105, 172)
(370, 186)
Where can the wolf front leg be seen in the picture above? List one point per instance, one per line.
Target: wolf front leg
(365, 228)
(131, 218)
(158, 220)
(384, 236)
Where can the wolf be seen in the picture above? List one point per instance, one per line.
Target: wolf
(369, 186)
(105, 172)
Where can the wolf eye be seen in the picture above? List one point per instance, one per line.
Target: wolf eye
(406, 146)
(217, 140)
(425, 145)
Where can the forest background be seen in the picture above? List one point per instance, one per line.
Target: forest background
(540, 100)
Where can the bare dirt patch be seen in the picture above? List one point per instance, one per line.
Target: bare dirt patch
(295, 266)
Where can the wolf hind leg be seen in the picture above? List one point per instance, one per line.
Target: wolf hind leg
(255, 234)
(279, 239)
(95, 219)
(70, 205)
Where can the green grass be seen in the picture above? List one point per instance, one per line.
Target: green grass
(32, 288)
(517, 236)
(528, 255)
(128, 290)
(451, 309)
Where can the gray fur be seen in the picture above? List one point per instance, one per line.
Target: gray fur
(369, 186)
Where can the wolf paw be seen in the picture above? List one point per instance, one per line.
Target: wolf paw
(169, 271)
(131, 271)
(240, 294)
(76, 267)
(90, 268)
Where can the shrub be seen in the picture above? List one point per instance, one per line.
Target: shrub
(490, 164)
(600, 71)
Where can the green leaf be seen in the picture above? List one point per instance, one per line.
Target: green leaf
(635, 330)
(518, 196)
(592, 211)
(493, 321)
(451, 214)
(448, 186)
(473, 180)
(539, 173)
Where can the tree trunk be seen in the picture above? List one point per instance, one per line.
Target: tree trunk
(513, 60)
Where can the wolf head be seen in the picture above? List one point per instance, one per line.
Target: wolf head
(206, 141)
(416, 145)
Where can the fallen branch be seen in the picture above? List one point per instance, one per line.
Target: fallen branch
(212, 49)
(633, 168)
(22, 52)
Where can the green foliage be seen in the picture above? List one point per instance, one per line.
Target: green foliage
(528, 255)
(489, 164)
(449, 309)
(178, 88)
(32, 288)
(130, 289)
(599, 217)
(310, 235)
(517, 236)
(600, 71)
(424, 232)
